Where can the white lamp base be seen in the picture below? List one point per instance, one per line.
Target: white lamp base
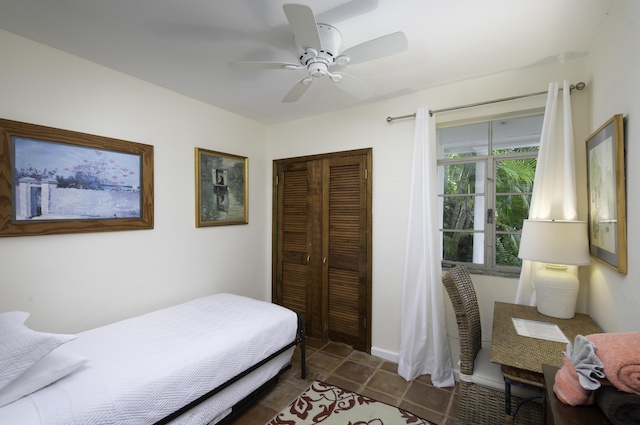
(556, 291)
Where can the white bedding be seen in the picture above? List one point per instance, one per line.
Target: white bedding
(144, 368)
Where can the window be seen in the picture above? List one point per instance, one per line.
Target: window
(486, 172)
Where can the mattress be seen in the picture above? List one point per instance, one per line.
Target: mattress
(145, 368)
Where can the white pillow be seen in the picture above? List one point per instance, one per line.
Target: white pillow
(59, 363)
(21, 347)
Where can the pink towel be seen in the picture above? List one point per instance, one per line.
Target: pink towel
(620, 356)
(568, 388)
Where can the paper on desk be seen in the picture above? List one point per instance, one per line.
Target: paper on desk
(540, 330)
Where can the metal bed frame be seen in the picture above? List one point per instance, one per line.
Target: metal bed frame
(244, 403)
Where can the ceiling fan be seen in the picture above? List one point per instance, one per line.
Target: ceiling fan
(319, 46)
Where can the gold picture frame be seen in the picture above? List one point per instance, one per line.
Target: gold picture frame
(606, 194)
(55, 181)
(222, 192)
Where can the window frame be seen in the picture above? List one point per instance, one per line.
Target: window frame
(490, 161)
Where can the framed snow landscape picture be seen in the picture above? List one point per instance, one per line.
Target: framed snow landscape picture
(56, 181)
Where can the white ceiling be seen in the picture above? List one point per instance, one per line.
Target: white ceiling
(185, 45)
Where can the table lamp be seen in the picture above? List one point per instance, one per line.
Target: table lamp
(558, 244)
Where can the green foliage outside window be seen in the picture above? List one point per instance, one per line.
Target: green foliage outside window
(513, 186)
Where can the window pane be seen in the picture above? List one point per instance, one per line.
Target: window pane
(514, 184)
(463, 141)
(515, 175)
(511, 210)
(507, 246)
(460, 213)
(463, 179)
(514, 133)
(458, 246)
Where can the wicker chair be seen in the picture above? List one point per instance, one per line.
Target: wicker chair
(481, 398)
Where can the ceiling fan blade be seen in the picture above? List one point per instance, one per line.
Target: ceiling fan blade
(345, 11)
(298, 90)
(263, 65)
(303, 24)
(354, 86)
(377, 48)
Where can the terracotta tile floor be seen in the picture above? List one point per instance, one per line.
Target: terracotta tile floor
(356, 371)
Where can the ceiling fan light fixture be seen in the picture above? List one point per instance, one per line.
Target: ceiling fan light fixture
(317, 69)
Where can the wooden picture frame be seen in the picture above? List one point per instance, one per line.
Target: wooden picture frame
(222, 192)
(55, 181)
(606, 194)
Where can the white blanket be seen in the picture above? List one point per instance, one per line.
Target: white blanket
(144, 368)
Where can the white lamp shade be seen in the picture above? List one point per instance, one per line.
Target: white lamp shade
(555, 242)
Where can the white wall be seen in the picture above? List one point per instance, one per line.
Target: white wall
(73, 282)
(615, 65)
(392, 150)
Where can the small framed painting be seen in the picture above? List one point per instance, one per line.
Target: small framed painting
(221, 188)
(56, 181)
(607, 194)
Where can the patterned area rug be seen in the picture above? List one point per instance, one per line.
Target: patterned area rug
(329, 405)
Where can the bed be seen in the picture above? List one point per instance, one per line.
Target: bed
(194, 363)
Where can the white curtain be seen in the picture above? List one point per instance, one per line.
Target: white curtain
(554, 186)
(424, 347)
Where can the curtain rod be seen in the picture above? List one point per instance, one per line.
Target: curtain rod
(578, 86)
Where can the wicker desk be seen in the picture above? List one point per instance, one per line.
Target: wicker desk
(521, 357)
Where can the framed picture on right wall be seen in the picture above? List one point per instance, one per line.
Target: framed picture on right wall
(607, 194)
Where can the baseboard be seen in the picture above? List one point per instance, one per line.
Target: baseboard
(395, 358)
(385, 354)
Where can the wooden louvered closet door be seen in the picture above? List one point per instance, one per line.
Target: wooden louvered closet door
(322, 244)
